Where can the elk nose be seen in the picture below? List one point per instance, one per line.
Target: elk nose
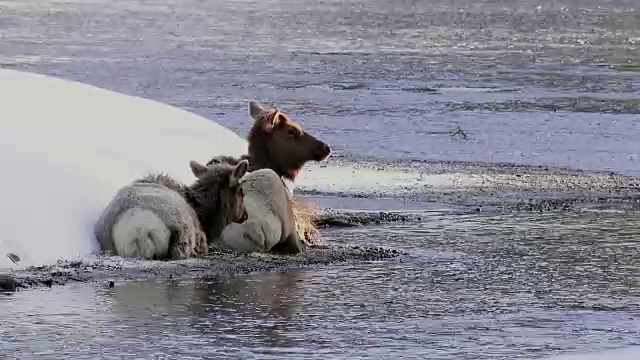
(326, 149)
(322, 153)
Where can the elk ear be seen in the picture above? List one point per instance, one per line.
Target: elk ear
(270, 121)
(238, 172)
(255, 110)
(197, 169)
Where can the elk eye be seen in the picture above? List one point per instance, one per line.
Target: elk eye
(292, 133)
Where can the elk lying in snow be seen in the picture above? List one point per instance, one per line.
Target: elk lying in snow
(278, 143)
(157, 217)
(270, 224)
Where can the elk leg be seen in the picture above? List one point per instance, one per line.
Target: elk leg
(178, 246)
(245, 237)
(291, 245)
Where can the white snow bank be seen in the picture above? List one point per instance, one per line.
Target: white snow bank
(67, 147)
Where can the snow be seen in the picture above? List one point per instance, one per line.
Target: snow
(67, 147)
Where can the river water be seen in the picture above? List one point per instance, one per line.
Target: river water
(531, 82)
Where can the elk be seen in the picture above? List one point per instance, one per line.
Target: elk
(279, 143)
(270, 224)
(157, 217)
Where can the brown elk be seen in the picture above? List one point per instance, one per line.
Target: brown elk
(279, 143)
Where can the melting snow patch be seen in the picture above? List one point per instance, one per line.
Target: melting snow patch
(67, 147)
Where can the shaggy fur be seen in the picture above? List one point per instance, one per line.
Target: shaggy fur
(306, 216)
(270, 224)
(157, 217)
(216, 196)
(278, 143)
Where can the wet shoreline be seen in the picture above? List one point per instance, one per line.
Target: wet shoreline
(110, 271)
(533, 191)
(485, 186)
(498, 260)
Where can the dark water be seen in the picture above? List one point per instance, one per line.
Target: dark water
(475, 287)
(541, 82)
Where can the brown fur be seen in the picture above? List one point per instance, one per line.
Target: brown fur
(279, 143)
(216, 196)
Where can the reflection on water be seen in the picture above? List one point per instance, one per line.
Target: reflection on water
(482, 286)
(231, 310)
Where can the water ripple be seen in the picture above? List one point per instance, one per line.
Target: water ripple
(500, 285)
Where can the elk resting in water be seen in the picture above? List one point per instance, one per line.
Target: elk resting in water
(278, 143)
(270, 224)
(157, 217)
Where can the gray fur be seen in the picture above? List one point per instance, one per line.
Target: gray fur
(270, 224)
(192, 214)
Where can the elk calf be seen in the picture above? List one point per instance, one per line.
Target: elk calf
(157, 217)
